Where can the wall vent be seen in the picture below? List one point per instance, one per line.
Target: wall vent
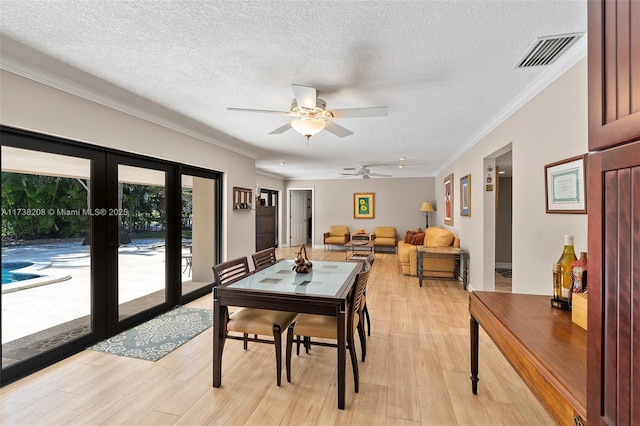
(545, 50)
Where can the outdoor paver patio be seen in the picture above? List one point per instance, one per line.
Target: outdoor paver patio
(24, 312)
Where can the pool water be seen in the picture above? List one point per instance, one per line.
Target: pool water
(8, 277)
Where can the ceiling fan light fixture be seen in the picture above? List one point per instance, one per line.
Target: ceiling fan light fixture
(308, 125)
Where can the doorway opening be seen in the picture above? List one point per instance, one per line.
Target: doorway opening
(504, 211)
(300, 209)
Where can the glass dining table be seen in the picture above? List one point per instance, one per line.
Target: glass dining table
(322, 291)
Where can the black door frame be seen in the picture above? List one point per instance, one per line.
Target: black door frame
(104, 300)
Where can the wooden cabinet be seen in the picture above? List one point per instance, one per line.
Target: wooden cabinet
(613, 206)
(265, 227)
(614, 286)
(614, 72)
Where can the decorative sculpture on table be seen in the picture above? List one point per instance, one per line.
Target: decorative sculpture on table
(302, 264)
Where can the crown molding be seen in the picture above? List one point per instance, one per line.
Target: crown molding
(38, 75)
(562, 65)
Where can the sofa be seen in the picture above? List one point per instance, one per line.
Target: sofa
(385, 236)
(338, 235)
(431, 237)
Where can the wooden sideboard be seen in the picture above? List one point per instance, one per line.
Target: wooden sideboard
(544, 346)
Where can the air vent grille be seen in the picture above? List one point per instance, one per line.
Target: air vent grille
(545, 50)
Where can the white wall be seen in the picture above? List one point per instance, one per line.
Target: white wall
(549, 128)
(30, 105)
(397, 203)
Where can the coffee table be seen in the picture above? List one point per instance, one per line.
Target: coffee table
(359, 250)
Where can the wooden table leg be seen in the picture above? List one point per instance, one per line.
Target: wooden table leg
(219, 327)
(474, 354)
(342, 356)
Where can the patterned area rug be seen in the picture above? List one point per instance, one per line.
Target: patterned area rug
(156, 338)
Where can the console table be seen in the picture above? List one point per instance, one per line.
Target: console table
(356, 236)
(543, 345)
(461, 257)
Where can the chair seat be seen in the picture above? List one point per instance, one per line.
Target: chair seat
(382, 241)
(321, 326)
(259, 321)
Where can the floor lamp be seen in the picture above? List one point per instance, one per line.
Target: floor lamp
(427, 207)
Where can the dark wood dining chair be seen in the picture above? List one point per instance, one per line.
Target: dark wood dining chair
(264, 258)
(306, 326)
(250, 321)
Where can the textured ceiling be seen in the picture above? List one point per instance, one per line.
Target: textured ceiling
(444, 69)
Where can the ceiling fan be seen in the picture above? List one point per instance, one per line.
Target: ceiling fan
(364, 172)
(312, 114)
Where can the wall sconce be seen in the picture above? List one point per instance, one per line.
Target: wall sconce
(489, 179)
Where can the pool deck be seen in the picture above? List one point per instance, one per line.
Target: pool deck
(63, 295)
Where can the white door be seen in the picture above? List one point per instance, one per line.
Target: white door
(298, 217)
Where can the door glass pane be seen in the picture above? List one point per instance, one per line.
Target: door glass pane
(142, 239)
(46, 259)
(198, 232)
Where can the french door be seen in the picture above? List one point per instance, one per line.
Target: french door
(92, 244)
(140, 243)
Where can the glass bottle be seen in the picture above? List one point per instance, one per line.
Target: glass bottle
(579, 273)
(557, 283)
(565, 261)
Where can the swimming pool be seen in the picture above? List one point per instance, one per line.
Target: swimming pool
(10, 277)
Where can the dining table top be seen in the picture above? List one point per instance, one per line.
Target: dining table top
(326, 279)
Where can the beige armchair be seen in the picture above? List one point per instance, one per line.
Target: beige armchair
(385, 236)
(337, 235)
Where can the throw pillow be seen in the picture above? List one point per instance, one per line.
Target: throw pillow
(408, 236)
(417, 239)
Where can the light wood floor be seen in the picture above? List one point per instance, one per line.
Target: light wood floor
(416, 372)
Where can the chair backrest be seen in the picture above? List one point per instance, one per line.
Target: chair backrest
(264, 258)
(230, 271)
(358, 292)
(338, 230)
(385, 231)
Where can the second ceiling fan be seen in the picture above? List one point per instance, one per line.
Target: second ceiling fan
(313, 116)
(364, 172)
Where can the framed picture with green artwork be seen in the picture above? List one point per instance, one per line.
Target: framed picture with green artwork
(363, 205)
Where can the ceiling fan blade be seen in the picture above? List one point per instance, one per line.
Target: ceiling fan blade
(281, 129)
(337, 130)
(268, 111)
(366, 177)
(379, 175)
(305, 96)
(360, 112)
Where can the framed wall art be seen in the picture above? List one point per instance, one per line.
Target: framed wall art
(363, 205)
(448, 200)
(565, 185)
(465, 195)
